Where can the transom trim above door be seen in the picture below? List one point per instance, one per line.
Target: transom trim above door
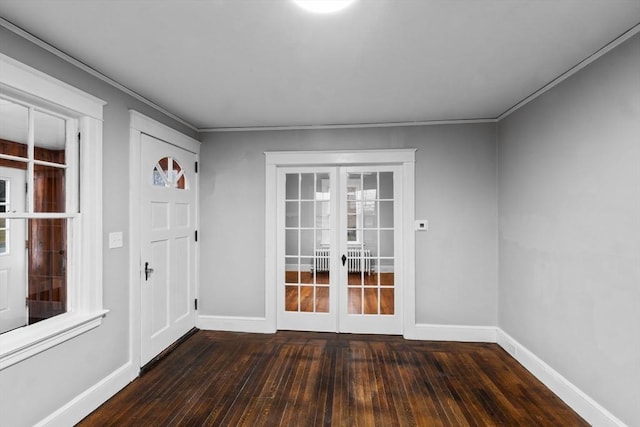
(279, 310)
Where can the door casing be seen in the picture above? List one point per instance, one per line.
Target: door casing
(405, 158)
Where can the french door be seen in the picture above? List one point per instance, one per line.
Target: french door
(339, 249)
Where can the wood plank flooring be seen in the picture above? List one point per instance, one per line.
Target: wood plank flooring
(320, 379)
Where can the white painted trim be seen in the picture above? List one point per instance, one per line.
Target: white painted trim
(28, 81)
(89, 400)
(339, 157)
(258, 325)
(579, 401)
(347, 126)
(161, 131)
(22, 343)
(85, 309)
(140, 124)
(462, 333)
(573, 70)
(84, 67)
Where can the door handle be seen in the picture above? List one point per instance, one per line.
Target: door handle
(344, 259)
(147, 271)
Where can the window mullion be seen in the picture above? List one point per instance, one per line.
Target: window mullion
(30, 160)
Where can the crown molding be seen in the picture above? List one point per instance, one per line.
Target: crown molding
(84, 67)
(347, 126)
(573, 70)
(570, 72)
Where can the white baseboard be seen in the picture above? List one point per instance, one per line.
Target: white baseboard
(428, 332)
(258, 325)
(588, 408)
(86, 402)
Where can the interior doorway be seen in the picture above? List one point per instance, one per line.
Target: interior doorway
(340, 243)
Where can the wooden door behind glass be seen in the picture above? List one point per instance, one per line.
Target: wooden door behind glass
(306, 291)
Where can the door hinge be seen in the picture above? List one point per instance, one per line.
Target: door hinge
(79, 136)
(195, 303)
(196, 167)
(196, 235)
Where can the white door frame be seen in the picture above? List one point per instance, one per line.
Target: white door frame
(402, 157)
(140, 124)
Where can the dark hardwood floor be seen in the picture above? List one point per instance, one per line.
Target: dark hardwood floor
(319, 379)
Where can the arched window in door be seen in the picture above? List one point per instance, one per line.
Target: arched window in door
(168, 173)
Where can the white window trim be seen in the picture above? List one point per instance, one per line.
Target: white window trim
(85, 300)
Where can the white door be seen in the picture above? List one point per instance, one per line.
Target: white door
(13, 281)
(169, 195)
(339, 249)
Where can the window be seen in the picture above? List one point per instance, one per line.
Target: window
(50, 212)
(169, 173)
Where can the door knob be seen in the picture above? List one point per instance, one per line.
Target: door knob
(344, 259)
(147, 271)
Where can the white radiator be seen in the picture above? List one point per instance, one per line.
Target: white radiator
(356, 259)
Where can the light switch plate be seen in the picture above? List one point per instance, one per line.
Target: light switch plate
(115, 239)
(422, 225)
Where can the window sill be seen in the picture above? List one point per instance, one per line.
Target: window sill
(22, 343)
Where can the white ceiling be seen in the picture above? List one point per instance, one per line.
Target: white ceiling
(243, 63)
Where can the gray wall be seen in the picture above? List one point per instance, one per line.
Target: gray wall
(456, 189)
(36, 387)
(569, 177)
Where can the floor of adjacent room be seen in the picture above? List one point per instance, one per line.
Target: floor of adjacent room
(308, 379)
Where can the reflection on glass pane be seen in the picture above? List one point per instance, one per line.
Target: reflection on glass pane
(291, 298)
(292, 180)
(291, 270)
(306, 213)
(291, 209)
(370, 186)
(307, 242)
(387, 301)
(47, 289)
(13, 313)
(307, 186)
(386, 243)
(322, 299)
(323, 214)
(371, 241)
(386, 185)
(352, 236)
(386, 214)
(50, 137)
(159, 179)
(291, 242)
(3, 191)
(322, 276)
(49, 189)
(306, 298)
(354, 186)
(14, 128)
(387, 275)
(355, 279)
(323, 190)
(355, 300)
(306, 270)
(371, 301)
(323, 238)
(3, 240)
(370, 211)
